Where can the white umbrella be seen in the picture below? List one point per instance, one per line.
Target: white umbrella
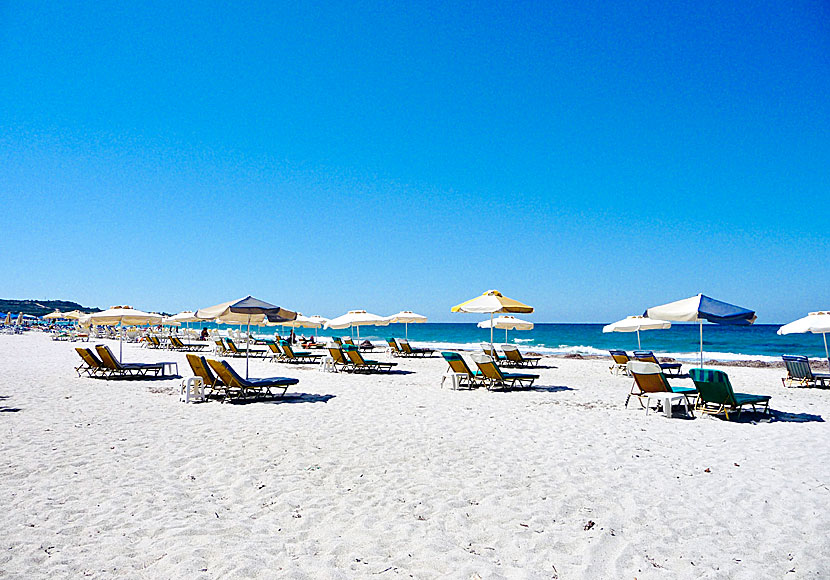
(73, 315)
(56, 315)
(248, 309)
(122, 316)
(356, 319)
(492, 302)
(299, 322)
(405, 317)
(699, 308)
(636, 324)
(507, 323)
(19, 319)
(815, 322)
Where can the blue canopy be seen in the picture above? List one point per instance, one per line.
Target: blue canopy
(251, 305)
(724, 313)
(699, 308)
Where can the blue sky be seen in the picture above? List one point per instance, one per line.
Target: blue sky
(590, 159)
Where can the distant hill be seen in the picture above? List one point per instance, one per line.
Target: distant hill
(41, 307)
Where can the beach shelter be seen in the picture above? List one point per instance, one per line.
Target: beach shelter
(8, 319)
(19, 319)
(73, 315)
(56, 315)
(507, 323)
(317, 318)
(356, 319)
(636, 324)
(492, 302)
(815, 322)
(246, 310)
(122, 316)
(406, 317)
(699, 308)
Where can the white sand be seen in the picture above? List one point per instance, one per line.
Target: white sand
(394, 476)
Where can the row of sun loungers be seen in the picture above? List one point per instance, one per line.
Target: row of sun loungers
(106, 366)
(712, 393)
(222, 380)
(488, 375)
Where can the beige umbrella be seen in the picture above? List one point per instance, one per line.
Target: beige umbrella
(492, 302)
(356, 319)
(8, 320)
(56, 315)
(73, 315)
(19, 319)
(122, 316)
(248, 309)
(815, 322)
(636, 324)
(507, 323)
(405, 317)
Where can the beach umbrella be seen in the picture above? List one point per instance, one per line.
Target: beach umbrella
(73, 315)
(122, 316)
(19, 319)
(636, 324)
(356, 319)
(8, 320)
(57, 314)
(815, 322)
(699, 308)
(492, 302)
(507, 323)
(299, 322)
(246, 310)
(406, 317)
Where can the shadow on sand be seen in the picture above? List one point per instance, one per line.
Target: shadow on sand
(288, 398)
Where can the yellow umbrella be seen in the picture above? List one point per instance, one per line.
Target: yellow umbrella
(492, 302)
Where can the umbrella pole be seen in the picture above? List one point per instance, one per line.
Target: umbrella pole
(639, 346)
(406, 329)
(121, 343)
(824, 334)
(701, 344)
(247, 347)
(505, 335)
(492, 348)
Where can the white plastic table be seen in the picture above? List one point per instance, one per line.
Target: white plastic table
(667, 399)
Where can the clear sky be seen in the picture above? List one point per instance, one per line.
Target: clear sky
(590, 159)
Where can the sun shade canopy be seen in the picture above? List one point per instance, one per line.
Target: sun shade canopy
(699, 308)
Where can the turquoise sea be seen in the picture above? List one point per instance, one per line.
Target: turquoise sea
(758, 342)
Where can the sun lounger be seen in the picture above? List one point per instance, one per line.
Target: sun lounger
(394, 349)
(297, 356)
(621, 359)
(494, 377)
(246, 387)
(129, 370)
(151, 341)
(177, 344)
(800, 373)
(513, 357)
(648, 356)
(360, 364)
(91, 365)
(339, 358)
(233, 351)
(410, 350)
(201, 369)
(716, 394)
(464, 375)
(491, 352)
(649, 378)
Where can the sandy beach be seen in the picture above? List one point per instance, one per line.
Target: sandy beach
(388, 476)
